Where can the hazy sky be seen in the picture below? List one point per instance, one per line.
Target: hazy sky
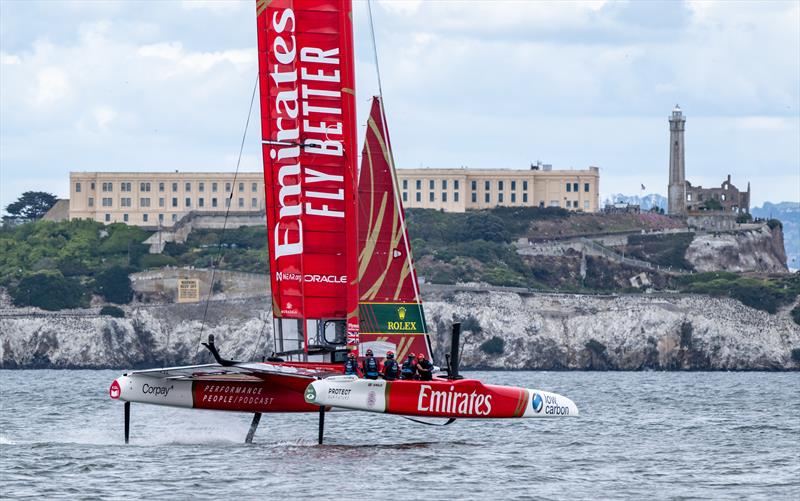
(166, 85)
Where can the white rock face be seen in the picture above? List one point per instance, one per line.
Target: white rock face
(538, 331)
(756, 250)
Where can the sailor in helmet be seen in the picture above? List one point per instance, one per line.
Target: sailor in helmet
(409, 370)
(424, 368)
(351, 365)
(370, 366)
(390, 368)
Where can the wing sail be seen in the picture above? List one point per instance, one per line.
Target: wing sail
(305, 56)
(390, 307)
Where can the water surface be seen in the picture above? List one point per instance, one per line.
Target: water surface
(641, 435)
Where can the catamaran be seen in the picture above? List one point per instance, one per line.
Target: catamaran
(341, 267)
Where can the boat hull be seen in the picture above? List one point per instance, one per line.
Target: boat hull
(466, 398)
(238, 395)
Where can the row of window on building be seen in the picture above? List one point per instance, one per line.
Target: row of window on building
(126, 186)
(487, 185)
(145, 218)
(144, 202)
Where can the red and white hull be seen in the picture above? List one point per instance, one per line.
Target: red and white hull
(238, 394)
(465, 398)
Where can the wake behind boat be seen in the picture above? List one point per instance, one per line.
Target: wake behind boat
(341, 267)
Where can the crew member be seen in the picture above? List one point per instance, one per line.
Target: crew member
(370, 366)
(390, 368)
(424, 368)
(351, 365)
(409, 370)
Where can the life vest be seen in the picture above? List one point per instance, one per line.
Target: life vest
(390, 369)
(350, 367)
(370, 368)
(409, 368)
(425, 369)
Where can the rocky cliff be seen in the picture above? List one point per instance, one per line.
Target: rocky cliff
(759, 250)
(503, 330)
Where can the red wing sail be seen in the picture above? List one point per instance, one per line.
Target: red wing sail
(390, 309)
(305, 59)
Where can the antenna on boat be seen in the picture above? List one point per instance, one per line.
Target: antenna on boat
(396, 188)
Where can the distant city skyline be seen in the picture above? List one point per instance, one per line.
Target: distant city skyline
(115, 86)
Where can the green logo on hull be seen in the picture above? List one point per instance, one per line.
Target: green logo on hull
(310, 395)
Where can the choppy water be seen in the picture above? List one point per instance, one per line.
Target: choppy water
(641, 435)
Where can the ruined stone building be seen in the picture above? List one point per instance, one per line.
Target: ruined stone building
(683, 198)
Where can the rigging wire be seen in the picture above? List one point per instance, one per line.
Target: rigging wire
(395, 186)
(215, 263)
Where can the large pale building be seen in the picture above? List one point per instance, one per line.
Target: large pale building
(458, 190)
(161, 198)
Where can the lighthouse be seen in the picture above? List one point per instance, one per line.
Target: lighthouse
(676, 190)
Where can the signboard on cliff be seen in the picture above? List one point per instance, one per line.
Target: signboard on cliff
(188, 290)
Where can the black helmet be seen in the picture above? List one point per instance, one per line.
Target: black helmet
(369, 352)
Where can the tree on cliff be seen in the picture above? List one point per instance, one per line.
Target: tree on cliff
(49, 291)
(31, 205)
(114, 285)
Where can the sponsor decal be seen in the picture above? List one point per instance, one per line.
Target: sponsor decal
(339, 393)
(234, 394)
(115, 390)
(310, 278)
(453, 402)
(402, 325)
(371, 399)
(157, 391)
(552, 408)
(537, 402)
(311, 394)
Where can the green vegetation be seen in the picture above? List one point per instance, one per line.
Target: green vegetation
(241, 249)
(774, 223)
(796, 314)
(796, 355)
(744, 218)
(49, 290)
(668, 250)
(112, 311)
(712, 204)
(114, 285)
(493, 346)
(762, 294)
(475, 245)
(32, 205)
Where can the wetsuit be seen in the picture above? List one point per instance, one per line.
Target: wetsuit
(390, 369)
(409, 369)
(370, 368)
(351, 367)
(425, 369)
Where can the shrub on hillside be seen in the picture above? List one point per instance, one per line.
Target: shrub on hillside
(663, 250)
(156, 261)
(112, 311)
(796, 314)
(493, 346)
(114, 285)
(774, 223)
(49, 291)
(766, 295)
